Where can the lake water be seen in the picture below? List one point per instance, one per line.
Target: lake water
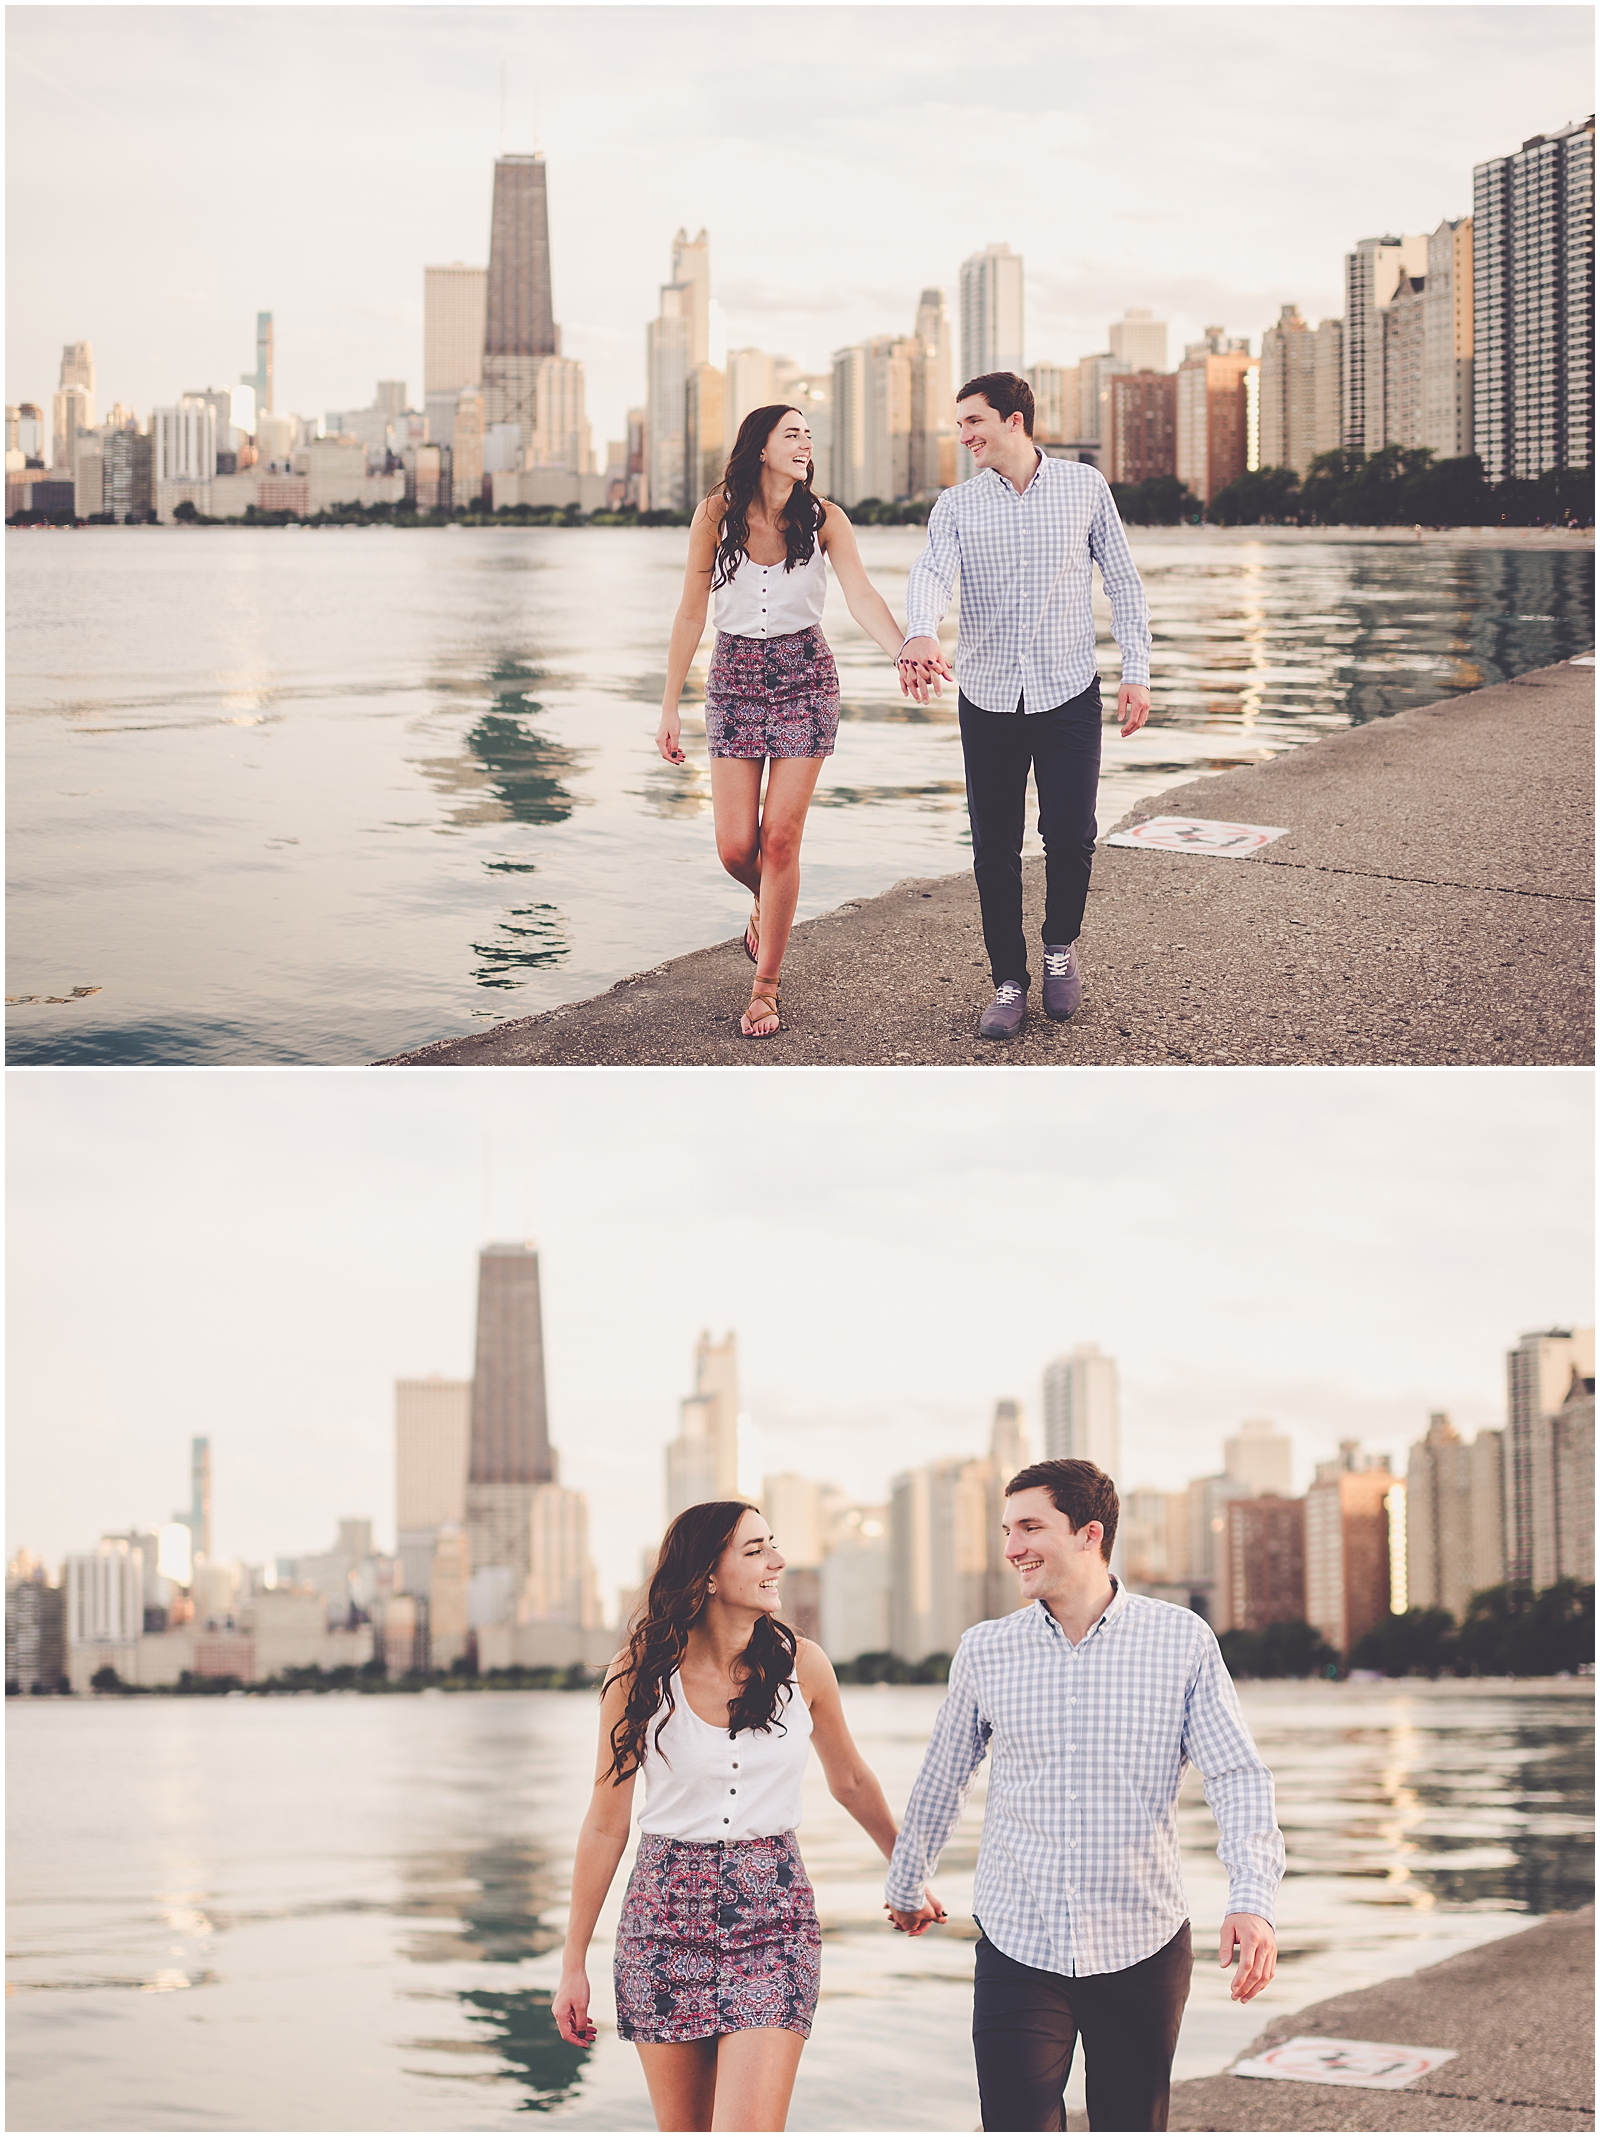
(345, 1913)
(322, 795)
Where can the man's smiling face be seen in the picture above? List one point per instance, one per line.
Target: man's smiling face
(1048, 1555)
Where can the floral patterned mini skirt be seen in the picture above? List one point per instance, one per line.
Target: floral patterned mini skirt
(716, 1937)
(772, 697)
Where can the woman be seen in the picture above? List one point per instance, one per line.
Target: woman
(715, 1701)
(762, 542)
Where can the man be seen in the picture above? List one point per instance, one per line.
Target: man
(1093, 1702)
(1021, 534)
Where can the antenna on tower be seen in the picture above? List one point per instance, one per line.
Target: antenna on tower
(502, 107)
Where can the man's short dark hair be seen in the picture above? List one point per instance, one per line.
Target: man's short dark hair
(1005, 393)
(1077, 1489)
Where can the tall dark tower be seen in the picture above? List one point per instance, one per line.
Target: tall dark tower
(509, 1457)
(519, 318)
(510, 1428)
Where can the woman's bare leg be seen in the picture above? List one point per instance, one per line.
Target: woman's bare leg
(756, 2072)
(735, 808)
(682, 2077)
(791, 782)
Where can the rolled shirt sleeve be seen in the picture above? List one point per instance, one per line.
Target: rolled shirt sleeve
(1238, 1785)
(955, 1751)
(931, 585)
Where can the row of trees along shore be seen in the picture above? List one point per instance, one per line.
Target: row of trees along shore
(1509, 1631)
(1399, 487)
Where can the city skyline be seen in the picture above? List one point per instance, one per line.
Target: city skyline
(1496, 76)
(1391, 1304)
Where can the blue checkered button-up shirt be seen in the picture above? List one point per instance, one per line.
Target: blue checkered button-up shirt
(1024, 558)
(1078, 1868)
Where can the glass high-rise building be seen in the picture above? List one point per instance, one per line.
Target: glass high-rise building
(1533, 306)
(1080, 1409)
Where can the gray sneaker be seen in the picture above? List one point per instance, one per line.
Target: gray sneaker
(1005, 1015)
(1063, 988)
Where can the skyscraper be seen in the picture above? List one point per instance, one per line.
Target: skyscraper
(1538, 1377)
(703, 1461)
(1140, 440)
(1140, 339)
(933, 418)
(510, 1428)
(1289, 392)
(454, 313)
(73, 405)
(1533, 306)
(1261, 1564)
(432, 1438)
(1447, 341)
(1260, 1456)
(1349, 1576)
(1439, 1569)
(691, 270)
(510, 1455)
(991, 311)
(197, 1517)
(1080, 1409)
(669, 339)
(519, 313)
(260, 379)
(1213, 447)
(1371, 274)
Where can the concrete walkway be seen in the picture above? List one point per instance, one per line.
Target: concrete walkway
(1519, 2013)
(1432, 903)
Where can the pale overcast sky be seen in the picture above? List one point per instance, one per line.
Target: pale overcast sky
(173, 170)
(258, 1255)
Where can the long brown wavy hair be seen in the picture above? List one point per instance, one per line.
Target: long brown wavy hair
(802, 515)
(660, 1637)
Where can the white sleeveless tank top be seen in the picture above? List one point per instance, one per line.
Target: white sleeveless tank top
(766, 601)
(704, 1784)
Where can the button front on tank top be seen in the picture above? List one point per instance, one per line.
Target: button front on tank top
(770, 601)
(691, 1792)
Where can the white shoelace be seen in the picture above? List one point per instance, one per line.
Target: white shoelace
(1058, 963)
(1008, 991)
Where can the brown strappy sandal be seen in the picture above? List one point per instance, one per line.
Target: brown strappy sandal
(753, 927)
(763, 990)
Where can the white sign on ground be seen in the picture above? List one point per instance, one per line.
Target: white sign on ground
(1317, 2059)
(1198, 834)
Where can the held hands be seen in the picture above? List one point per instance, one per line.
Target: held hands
(921, 663)
(667, 738)
(570, 2008)
(915, 1920)
(1133, 708)
(1258, 1954)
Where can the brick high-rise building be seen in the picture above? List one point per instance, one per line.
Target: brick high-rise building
(1563, 1486)
(1447, 341)
(1143, 440)
(1213, 413)
(1261, 1564)
(1533, 306)
(1349, 1570)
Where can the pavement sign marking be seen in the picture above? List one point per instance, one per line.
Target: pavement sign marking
(1198, 834)
(1317, 2059)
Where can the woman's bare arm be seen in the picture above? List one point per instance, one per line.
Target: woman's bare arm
(862, 598)
(602, 1838)
(689, 624)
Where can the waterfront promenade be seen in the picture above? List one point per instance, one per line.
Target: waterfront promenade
(1519, 2013)
(1432, 903)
